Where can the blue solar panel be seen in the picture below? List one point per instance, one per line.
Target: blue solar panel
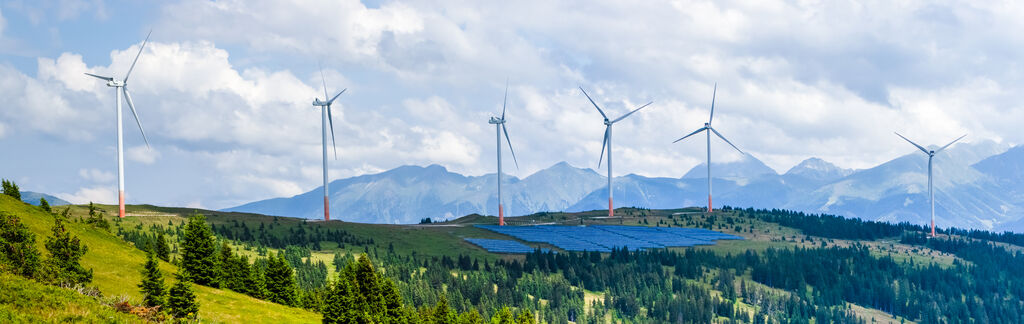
(500, 246)
(603, 238)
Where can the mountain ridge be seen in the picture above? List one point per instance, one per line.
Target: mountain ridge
(971, 191)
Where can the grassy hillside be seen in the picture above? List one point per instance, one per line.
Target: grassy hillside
(117, 270)
(26, 301)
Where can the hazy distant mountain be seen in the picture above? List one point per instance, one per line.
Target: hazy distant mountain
(33, 198)
(978, 185)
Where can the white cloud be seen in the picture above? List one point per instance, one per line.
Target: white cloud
(226, 86)
(96, 176)
(142, 154)
(96, 194)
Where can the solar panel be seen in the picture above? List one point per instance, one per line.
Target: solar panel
(500, 246)
(603, 238)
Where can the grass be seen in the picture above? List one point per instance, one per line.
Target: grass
(117, 269)
(26, 301)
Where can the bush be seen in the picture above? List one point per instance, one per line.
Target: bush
(18, 253)
(66, 251)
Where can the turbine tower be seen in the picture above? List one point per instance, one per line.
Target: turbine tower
(121, 87)
(325, 119)
(499, 127)
(607, 141)
(931, 154)
(707, 127)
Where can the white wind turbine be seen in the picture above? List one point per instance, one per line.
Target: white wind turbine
(119, 88)
(325, 118)
(499, 127)
(707, 127)
(607, 141)
(931, 154)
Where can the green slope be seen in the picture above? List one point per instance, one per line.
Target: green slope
(117, 270)
(26, 301)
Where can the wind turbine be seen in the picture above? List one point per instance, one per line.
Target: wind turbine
(119, 88)
(325, 118)
(608, 142)
(707, 127)
(499, 127)
(931, 154)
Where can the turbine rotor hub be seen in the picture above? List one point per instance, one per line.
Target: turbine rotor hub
(496, 120)
(115, 83)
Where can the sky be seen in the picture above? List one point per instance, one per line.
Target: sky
(224, 88)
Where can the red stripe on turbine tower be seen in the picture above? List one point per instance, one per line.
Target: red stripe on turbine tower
(709, 203)
(501, 215)
(327, 209)
(121, 204)
(933, 228)
(611, 211)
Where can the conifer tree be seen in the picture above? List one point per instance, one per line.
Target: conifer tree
(442, 313)
(181, 301)
(11, 189)
(471, 317)
(198, 252)
(152, 285)
(255, 283)
(163, 250)
(18, 253)
(45, 205)
(503, 316)
(280, 281)
(66, 252)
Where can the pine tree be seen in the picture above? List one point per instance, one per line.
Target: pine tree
(255, 283)
(443, 313)
(198, 252)
(66, 252)
(471, 317)
(152, 285)
(280, 281)
(45, 205)
(503, 316)
(18, 253)
(163, 251)
(181, 299)
(11, 189)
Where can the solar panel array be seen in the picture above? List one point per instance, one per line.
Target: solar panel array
(603, 238)
(500, 246)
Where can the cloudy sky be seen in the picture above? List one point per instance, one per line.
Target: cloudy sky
(224, 87)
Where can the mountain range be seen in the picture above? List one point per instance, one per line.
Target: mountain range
(977, 185)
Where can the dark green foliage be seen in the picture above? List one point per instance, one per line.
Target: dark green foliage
(199, 252)
(18, 253)
(162, 250)
(152, 285)
(96, 218)
(45, 205)
(234, 270)
(280, 281)
(181, 300)
(66, 251)
(309, 275)
(361, 295)
(11, 189)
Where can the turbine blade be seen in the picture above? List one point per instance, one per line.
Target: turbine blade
(330, 119)
(604, 142)
(137, 56)
(727, 141)
(510, 145)
(713, 94)
(504, 102)
(915, 144)
(100, 77)
(323, 80)
(128, 99)
(336, 96)
(594, 103)
(950, 143)
(631, 112)
(691, 134)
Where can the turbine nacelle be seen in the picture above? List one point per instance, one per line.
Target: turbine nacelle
(496, 120)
